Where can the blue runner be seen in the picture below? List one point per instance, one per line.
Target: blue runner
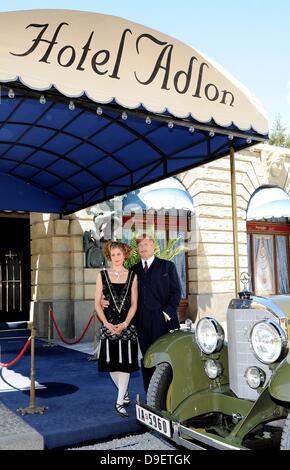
(80, 399)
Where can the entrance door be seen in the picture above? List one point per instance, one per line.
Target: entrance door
(14, 269)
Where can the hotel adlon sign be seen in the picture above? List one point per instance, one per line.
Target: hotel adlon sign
(109, 58)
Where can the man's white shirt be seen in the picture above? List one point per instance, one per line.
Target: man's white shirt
(149, 261)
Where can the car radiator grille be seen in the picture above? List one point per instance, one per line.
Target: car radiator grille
(240, 355)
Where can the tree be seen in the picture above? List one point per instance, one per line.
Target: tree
(278, 136)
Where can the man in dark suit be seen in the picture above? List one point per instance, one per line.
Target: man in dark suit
(159, 293)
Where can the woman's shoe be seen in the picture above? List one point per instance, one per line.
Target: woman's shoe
(126, 401)
(121, 410)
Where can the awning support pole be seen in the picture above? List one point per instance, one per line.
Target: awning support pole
(234, 218)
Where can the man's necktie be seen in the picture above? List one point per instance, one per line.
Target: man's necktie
(145, 266)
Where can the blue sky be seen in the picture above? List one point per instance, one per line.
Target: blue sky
(249, 38)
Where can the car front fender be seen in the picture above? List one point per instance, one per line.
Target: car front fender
(279, 386)
(180, 350)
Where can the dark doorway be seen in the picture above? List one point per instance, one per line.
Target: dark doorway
(14, 268)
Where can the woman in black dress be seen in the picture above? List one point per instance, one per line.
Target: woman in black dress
(119, 347)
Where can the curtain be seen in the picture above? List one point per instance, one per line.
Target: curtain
(264, 265)
(282, 264)
(127, 235)
(179, 262)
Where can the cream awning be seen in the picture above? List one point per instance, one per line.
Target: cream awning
(110, 59)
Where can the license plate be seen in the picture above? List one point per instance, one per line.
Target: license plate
(154, 421)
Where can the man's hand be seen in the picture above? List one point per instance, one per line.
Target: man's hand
(104, 303)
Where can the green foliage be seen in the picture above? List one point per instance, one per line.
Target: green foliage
(278, 136)
(172, 249)
(169, 252)
(135, 257)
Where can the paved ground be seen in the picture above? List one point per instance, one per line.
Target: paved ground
(146, 441)
(15, 434)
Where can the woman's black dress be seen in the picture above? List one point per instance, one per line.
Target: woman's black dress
(118, 353)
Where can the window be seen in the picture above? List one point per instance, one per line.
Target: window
(268, 256)
(166, 226)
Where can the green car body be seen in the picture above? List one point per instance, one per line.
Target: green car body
(205, 411)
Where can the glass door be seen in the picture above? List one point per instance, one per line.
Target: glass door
(14, 269)
(11, 284)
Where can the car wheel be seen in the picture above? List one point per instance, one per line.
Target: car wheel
(158, 395)
(285, 439)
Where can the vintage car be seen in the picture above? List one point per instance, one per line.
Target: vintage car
(210, 393)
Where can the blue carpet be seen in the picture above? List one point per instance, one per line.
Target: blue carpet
(80, 399)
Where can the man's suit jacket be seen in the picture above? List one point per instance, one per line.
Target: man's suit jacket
(159, 291)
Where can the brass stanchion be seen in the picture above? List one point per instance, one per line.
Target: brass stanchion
(49, 343)
(94, 356)
(32, 408)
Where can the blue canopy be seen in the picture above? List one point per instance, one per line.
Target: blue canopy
(57, 159)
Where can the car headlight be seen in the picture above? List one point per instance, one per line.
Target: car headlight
(213, 369)
(255, 377)
(209, 335)
(269, 341)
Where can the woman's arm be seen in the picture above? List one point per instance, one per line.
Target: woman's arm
(133, 308)
(99, 310)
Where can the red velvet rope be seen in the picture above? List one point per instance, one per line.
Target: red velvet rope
(11, 363)
(60, 334)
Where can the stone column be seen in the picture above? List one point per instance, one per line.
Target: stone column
(50, 265)
(82, 280)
